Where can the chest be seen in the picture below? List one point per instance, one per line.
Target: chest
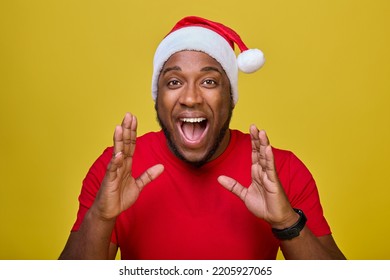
(191, 216)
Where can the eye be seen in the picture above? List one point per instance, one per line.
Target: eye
(209, 82)
(173, 83)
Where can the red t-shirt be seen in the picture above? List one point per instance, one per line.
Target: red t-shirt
(186, 214)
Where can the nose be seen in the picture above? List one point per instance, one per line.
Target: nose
(191, 95)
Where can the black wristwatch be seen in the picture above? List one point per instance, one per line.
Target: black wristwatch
(294, 230)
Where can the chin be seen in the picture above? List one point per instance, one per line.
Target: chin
(195, 159)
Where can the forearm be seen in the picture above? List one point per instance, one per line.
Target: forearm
(91, 241)
(309, 247)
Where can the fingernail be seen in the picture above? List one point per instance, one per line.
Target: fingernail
(117, 154)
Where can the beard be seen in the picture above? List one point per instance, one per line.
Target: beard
(172, 146)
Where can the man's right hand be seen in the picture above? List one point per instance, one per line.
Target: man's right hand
(119, 189)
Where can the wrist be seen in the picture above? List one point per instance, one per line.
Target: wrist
(98, 216)
(293, 230)
(287, 221)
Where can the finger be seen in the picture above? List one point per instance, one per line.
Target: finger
(270, 164)
(118, 141)
(264, 143)
(255, 142)
(149, 175)
(267, 157)
(113, 167)
(129, 127)
(233, 186)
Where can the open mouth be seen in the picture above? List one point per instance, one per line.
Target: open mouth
(193, 129)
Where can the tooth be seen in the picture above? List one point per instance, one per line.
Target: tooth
(192, 120)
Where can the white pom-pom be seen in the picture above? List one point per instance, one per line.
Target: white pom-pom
(250, 60)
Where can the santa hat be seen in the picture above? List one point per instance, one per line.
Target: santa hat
(213, 38)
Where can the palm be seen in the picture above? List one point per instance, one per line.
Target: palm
(261, 191)
(265, 197)
(119, 188)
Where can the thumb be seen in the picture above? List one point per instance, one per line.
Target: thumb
(233, 186)
(149, 175)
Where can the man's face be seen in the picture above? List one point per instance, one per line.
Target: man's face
(194, 106)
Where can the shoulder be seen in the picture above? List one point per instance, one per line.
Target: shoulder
(288, 164)
(100, 164)
(281, 156)
(151, 138)
(144, 142)
(150, 143)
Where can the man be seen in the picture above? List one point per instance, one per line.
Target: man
(197, 189)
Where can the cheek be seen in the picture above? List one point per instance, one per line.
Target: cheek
(222, 107)
(164, 107)
(224, 115)
(168, 99)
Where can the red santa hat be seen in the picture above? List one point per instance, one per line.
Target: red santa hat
(213, 38)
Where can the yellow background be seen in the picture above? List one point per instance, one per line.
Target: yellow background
(70, 69)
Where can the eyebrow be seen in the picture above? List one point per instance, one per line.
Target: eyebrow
(210, 68)
(174, 68)
(204, 69)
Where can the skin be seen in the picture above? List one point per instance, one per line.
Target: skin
(203, 93)
(192, 85)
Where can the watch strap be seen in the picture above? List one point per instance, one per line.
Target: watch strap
(294, 230)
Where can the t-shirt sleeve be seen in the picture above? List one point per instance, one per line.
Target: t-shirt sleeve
(91, 185)
(302, 192)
